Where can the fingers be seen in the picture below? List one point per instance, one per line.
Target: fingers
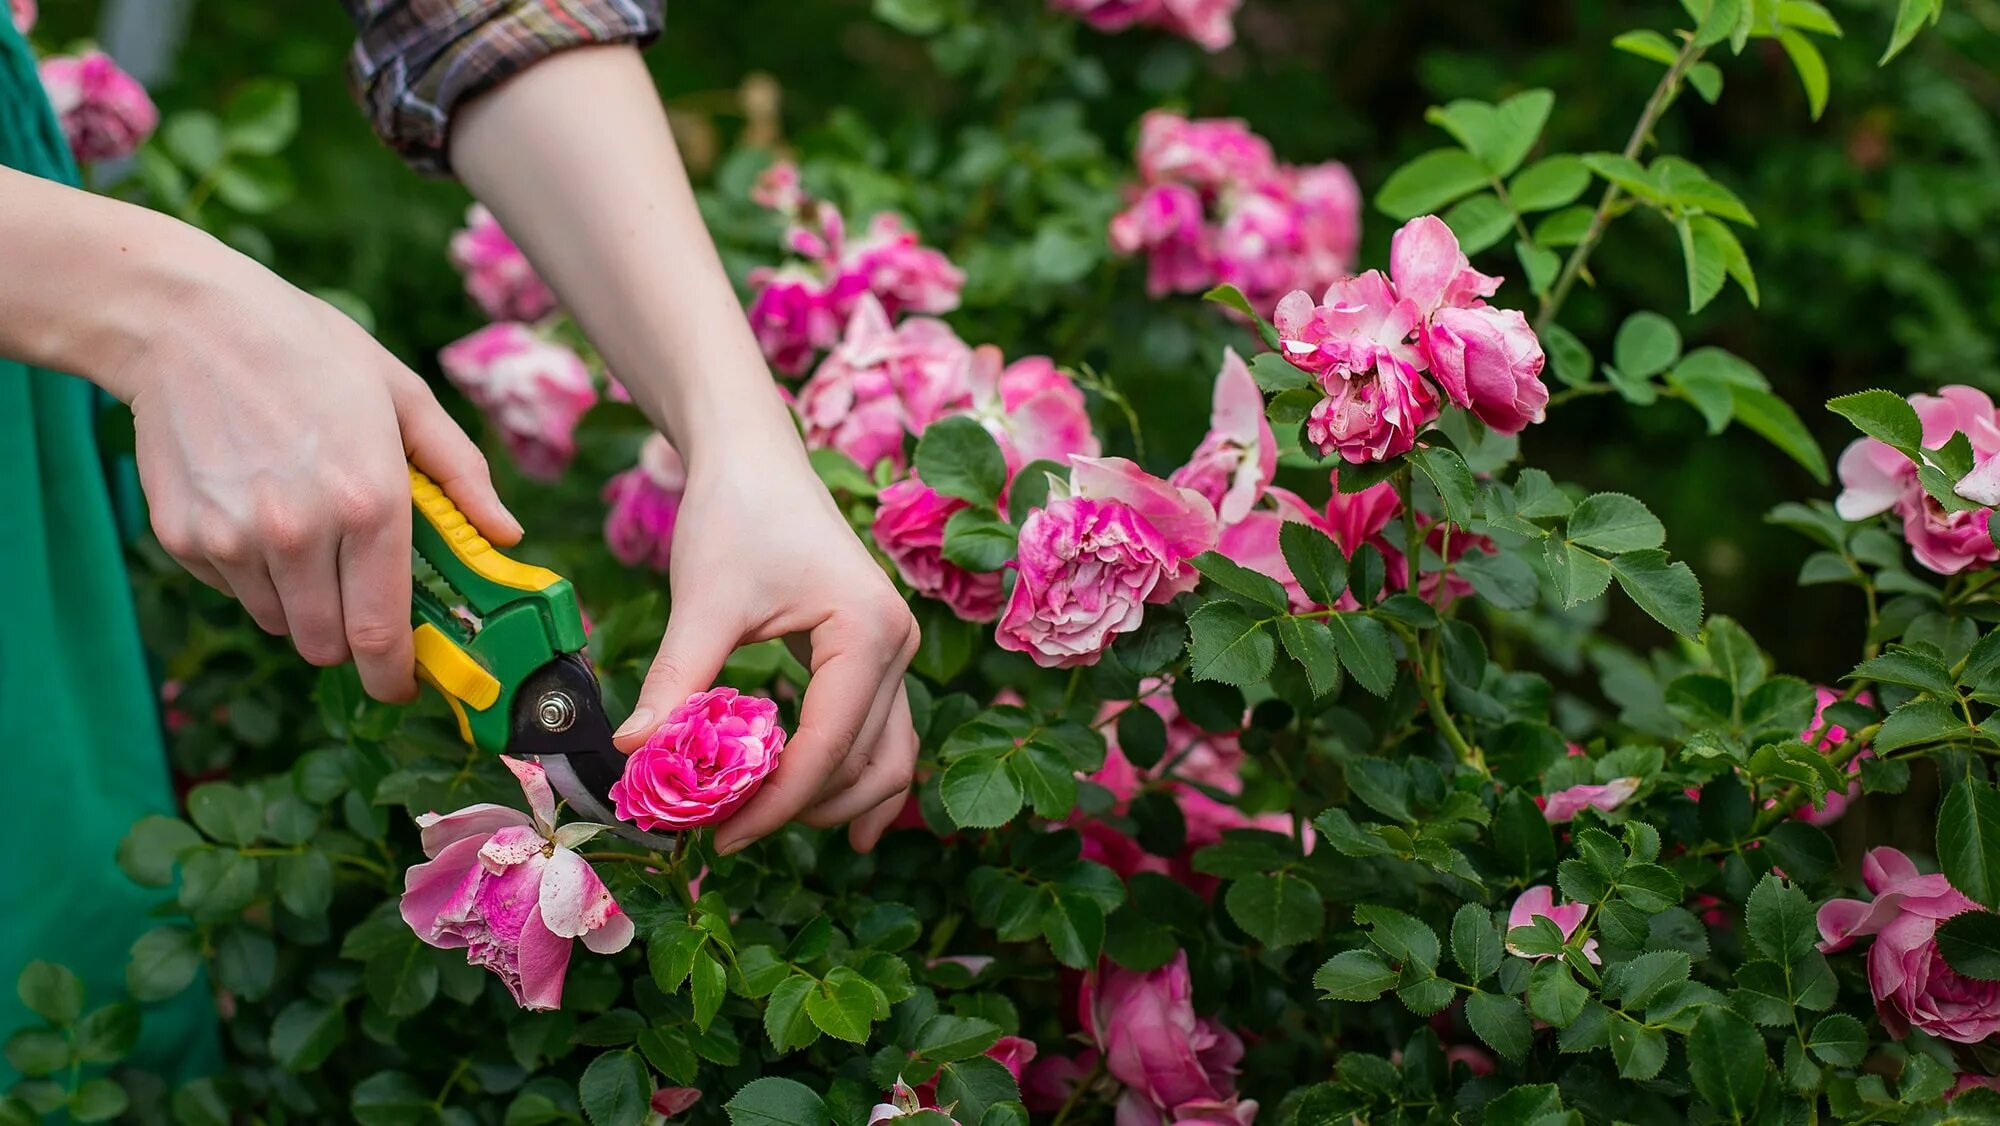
(698, 640)
(249, 582)
(867, 830)
(375, 602)
(891, 766)
(437, 446)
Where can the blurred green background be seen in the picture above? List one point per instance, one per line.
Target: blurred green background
(1878, 250)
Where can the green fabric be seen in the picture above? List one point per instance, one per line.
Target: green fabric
(78, 720)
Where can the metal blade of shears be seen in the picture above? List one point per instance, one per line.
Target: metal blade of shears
(559, 720)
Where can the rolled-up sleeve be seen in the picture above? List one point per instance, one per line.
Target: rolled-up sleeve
(416, 61)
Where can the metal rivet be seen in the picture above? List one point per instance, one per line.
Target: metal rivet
(555, 711)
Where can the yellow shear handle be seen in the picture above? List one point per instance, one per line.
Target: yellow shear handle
(466, 542)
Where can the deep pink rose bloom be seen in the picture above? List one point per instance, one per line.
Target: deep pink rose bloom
(792, 317)
(510, 890)
(645, 500)
(1033, 410)
(1253, 541)
(1430, 270)
(1490, 360)
(1205, 153)
(1355, 342)
(105, 113)
(498, 277)
(533, 389)
(1876, 479)
(1257, 241)
(1153, 1042)
(1089, 562)
(706, 760)
(909, 528)
(669, 1101)
(1329, 218)
(1237, 460)
(881, 382)
(1166, 222)
(1541, 900)
(1205, 1112)
(905, 275)
(23, 14)
(1913, 985)
(1564, 805)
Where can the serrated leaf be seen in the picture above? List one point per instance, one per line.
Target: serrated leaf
(1881, 415)
(1968, 840)
(1500, 1022)
(1727, 1061)
(1238, 579)
(1666, 590)
(1549, 183)
(1227, 644)
(1276, 909)
(1447, 473)
(1365, 651)
(1430, 182)
(1310, 643)
(980, 792)
(1614, 523)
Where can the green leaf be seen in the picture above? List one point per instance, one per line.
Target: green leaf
(1968, 840)
(1142, 735)
(1160, 639)
(1231, 297)
(1615, 523)
(262, 117)
(1401, 936)
(1238, 579)
(1706, 78)
(785, 1020)
(1881, 415)
(1776, 422)
(1429, 182)
(1475, 944)
(946, 1037)
(98, 1100)
(404, 979)
(1521, 835)
(842, 1005)
(1919, 721)
(977, 540)
(1840, 1040)
(1971, 944)
(1499, 137)
(1447, 473)
(1916, 668)
(1310, 643)
(1479, 221)
(1779, 918)
(1727, 1061)
(36, 1052)
(1667, 591)
(1579, 576)
(1626, 173)
(194, 137)
(1554, 994)
(980, 792)
(1276, 909)
(971, 1087)
(1911, 17)
(1228, 645)
(107, 1035)
(615, 1089)
(53, 992)
(1639, 1051)
(707, 983)
(1567, 227)
(1549, 183)
(772, 1101)
(1647, 44)
(1315, 560)
(1646, 345)
(1365, 651)
(225, 811)
(305, 883)
(1811, 66)
(305, 1034)
(1073, 923)
(914, 17)
(1637, 983)
(958, 458)
(391, 1098)
(1501, 1023)
(254, 184)
(1569, 357)
(152, 847)
(1354, 975)
(1275, 374)
(164, 962)
(1539, 264)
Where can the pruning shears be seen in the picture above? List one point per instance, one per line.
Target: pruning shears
(502, 641)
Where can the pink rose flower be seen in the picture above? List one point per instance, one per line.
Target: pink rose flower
(1563, 805)
(1329, 219)
(498, 277)
(778, 188)
(1011, 1052)
(105, 113)
(1089, 562)
(23, 14)
(909, 528)
(791, 316)
(1206, 1112)
(1237, 460)
(906, 276)
(1428, 268)
(1209, 24)
(1541, 900)
(708, 758)
(644, 500)
(1355, 343)
(510, 890)
(1047, 1082)
(1824, 737)
(1876, 479)
(881, 383)
(1488, 359)
(669, 1101)
(1913, 985)
(1205, 153)
(533, 389)
(1034, 411)
(1153, 1042)
(1166, 222)
(1253, 541)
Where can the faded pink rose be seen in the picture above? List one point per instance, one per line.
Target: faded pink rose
(509, 889)
(1540, 900)
(531, 388)
(105, 113)
(1090, 561)
(645, 500)
(23, 15)
(1031, 407)
(1237, 460)
(1355, 342)
(1913, 985)
(709, 757)
(669, 1101)
(1205, 153)
(1153, 1042)
(881, 383)
(498, 277)
(1565, 804)
(909, 528)
(1876, 479)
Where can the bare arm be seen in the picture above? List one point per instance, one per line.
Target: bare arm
(575, 158)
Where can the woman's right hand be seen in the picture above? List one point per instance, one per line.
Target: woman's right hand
(272, 435)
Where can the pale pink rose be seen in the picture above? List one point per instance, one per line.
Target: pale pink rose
(791, 316)
(1237, 460)
(23, 14)
(498, 277)
(909, 528)
(534, 391)
(669, 1101)
(1329, 218)
(1488, 359)
(510, 890)
(709, 757)
(1089, 562)
(880, 383)
(1253, 541)
(777, 188)
(105, 113)
(1355, 342)
(1541, 900)
(1875, 479)
(645, 500)
(906, 276)
(1565, 804)
(1153, 1042)
(1166, 222)
(1982, 484)
(1210, 24)
(1205, 153)
(1034, 411)
(1913, 985)
(1257, 242)
(904, 1101)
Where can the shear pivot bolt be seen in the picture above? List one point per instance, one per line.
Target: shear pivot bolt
(555, 711)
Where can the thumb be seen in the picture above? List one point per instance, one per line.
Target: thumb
(435, 444)
(691, 654)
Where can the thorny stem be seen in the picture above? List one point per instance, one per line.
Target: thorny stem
(1663, 96)
(1427, 674)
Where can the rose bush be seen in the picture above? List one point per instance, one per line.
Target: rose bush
(1292, 772)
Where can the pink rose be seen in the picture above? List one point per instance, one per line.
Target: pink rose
(1110, 15)
(1540, 900)
(881, 383)
(23, 13)
(669, 1101)
(1329, 218)
(1237, 460)
(706, 760)
(1166, 222)
(1210, 24)
(792, 317)
(1488, 359)
(1205, 153)
(1047, 1082)
(1876, 479)
(1253, 541)
(906, 276)
(105, 113)
(904, 1101)
(1912, 983)
(644, 500)
(533, 389)
(509, 888)
(1089, 562)
(1428, 268)
(1011, 1052)
(1205, 1112)
(909, 528)
(1256, 241)
(1153, 1042)
(1033, 410)
(1826, 737)
(1355, 343)
(1563, 805)
(778, 188)
(498, 277)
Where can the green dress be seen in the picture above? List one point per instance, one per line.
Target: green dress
(80, 744)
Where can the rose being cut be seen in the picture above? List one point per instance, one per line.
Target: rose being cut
(707, 759)
(498, 277)
(645, 500)
(509, 889)
(104, 112)
(533, 389)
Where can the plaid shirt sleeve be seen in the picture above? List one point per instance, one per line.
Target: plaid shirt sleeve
(415, 61)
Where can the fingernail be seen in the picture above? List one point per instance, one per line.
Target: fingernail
(722, 849)
(638, 721)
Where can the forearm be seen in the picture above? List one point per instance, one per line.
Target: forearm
(89, 279)
(575, 159)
